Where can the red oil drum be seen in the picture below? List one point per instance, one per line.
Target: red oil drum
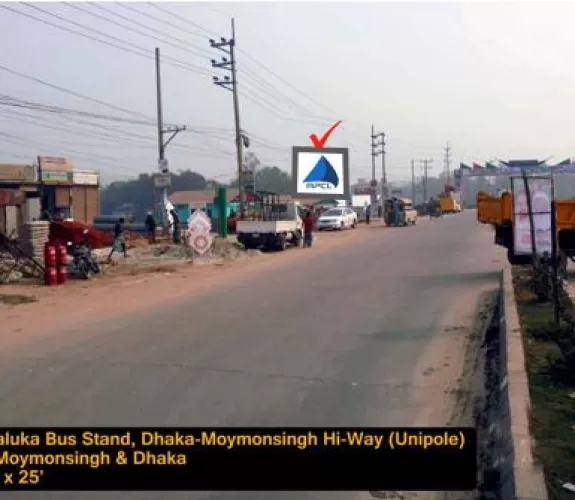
(50, 259)
(61, 255)
(50, 276)
(62, 274)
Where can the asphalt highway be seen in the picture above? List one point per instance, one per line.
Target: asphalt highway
(367, 333)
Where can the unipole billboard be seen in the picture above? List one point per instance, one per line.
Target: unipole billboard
(320, 172)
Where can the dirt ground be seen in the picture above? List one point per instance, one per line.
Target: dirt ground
(149, 275)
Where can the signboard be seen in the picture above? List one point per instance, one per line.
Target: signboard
(199, 221)
(321, 172)
(163, 166)
(54, 164)
(201, 242)
(200, 226)
(542, 193)
(57, 177)
(85, 178)
(17, 173)
(162, 180)
(11, 197)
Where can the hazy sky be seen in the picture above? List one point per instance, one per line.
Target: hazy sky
(495, 79)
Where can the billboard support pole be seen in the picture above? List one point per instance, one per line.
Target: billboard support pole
(554, 256)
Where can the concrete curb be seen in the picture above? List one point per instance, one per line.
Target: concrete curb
(526, 473)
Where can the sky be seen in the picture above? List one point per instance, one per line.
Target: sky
(492, 79)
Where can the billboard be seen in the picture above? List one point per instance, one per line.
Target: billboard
(54, 164)
(86, 178)
(542, 193)
(321, 172)
(17, 173)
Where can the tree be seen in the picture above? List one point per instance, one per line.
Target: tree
(139, 192)
(270, 179)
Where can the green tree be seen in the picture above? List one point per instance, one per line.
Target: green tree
(139, 192)
(270, 179)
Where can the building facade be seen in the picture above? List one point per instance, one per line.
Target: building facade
(68, 192)
(19, 196)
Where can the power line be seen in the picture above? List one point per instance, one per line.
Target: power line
(187, 21)
(7, 100)
(129, 28)
(143, 51)
(129, 135)
(167, 23)
(72, 92)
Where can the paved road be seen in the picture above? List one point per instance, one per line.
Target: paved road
(364, 334)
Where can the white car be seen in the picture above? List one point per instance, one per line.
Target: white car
(337, 218)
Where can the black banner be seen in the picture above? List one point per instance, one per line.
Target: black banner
(266, 459)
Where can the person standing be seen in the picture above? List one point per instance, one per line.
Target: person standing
(176, 231)
(395, 211)
(151, 225)
(119, 243)
(308, 224)
(367, 214)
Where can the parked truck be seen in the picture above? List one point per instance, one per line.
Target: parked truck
(498, 212)
(449, 202)
(271, 224)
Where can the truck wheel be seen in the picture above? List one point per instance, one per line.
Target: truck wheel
(281, 242)
(297, 239)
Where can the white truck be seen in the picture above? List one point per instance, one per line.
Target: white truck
(272, 226)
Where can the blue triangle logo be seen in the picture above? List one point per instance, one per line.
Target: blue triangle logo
(323, 172)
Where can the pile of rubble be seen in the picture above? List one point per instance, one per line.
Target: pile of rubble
(16, 263)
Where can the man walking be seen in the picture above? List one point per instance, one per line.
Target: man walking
(176, 230)
(367, 214)
(119, 244)
(308, 224)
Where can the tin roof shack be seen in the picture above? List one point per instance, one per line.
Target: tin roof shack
(19, 197)
(68, 193)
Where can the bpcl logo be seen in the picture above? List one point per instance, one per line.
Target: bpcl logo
(322, 176)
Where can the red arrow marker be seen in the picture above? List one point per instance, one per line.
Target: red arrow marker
(320, 143)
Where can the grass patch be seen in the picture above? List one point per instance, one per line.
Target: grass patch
(549, 359)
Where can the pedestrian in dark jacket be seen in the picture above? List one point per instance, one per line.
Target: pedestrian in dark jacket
(151, 225)
(176, 227)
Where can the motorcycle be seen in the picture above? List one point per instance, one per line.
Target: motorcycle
(83, 262)
(435, 212)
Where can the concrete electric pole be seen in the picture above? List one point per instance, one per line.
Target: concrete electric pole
(231, 84)
(373, 153)
(426, 164)
(447, 162)
(162, 179)
(413, 182)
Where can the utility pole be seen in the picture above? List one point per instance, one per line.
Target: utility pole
(413, 182)
(426, 164)
(164, 171)
(447, 161)
(383, 172)
(373, 153)
(231, 84)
